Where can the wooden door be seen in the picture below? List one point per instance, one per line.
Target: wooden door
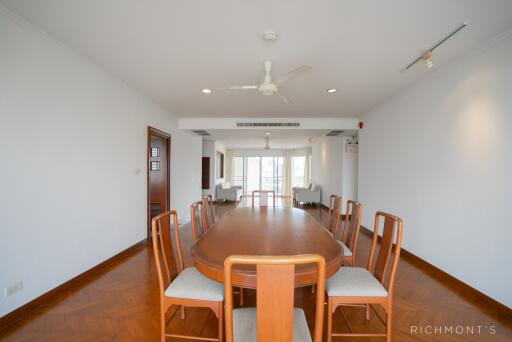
(205, 174)
(158, 174)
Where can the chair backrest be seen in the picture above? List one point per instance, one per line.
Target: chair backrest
(264, 194)
(207, 213)
(275, 284)
(392, 233)
(331, 200)
(166, 264)
(352, 225)
(334, 216)
(196, 220)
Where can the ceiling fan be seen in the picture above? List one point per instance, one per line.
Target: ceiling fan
(270, 87)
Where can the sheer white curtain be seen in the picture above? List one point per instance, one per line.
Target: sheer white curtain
(229, 167)
(307, 167)
(287, 173)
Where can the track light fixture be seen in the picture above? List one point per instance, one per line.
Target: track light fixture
(427, 58)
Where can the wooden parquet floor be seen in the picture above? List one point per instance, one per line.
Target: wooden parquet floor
(121, 303)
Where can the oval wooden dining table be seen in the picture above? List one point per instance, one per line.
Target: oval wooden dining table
(265, 231)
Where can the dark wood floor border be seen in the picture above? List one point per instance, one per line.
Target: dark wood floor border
(323, 206)
(28, 308)
(450, 281)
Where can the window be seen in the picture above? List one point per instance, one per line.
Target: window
(255, 173)
(279, 174)
(272, 174)
(267, 173)
(298, 170)
(155, 151)
(238, 171)
(155, 166)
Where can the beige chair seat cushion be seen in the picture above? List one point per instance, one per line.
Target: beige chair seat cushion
(191, 284)
(346, 250)
(354, 282)
(244, 325)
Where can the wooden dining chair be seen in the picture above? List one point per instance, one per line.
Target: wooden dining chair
(198, 228)
(274, 318)
(334, 215)
(185, 287)
(356, 286)
(208, 213)
(333, 219)
(350, 234)
(196, 210)
(332, 197)
(266, 193)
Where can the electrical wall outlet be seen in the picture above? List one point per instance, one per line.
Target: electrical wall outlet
(14, 288)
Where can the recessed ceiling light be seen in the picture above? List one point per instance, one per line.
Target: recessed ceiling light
(331, 90)
(207, 91)
(267, 133)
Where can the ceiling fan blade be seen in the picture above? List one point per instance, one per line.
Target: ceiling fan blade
(292, 74)
(245, 87)
(285, 99)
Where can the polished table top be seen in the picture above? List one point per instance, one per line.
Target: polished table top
(265, 231)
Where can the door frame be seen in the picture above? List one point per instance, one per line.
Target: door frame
(161, 134)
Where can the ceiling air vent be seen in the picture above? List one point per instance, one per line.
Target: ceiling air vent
(334, 133)
(202, 133)
(267, 124)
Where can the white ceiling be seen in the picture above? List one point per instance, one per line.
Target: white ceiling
(278, 138)
(170, 50)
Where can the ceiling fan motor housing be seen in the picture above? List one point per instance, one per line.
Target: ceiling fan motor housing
(267, 89)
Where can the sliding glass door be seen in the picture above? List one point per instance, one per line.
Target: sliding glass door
(272, 174)
(253, 181)
(258, 173)
(278, 175)
(267, 173)
(238, 171)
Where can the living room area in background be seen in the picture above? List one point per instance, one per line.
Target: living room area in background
(276, 170)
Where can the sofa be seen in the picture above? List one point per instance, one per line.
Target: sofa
(311, 194)
(226, 192)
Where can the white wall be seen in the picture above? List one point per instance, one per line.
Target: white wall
(73, 163)
(440, 156)
(348, 173)
(334, 169)
(326, 165)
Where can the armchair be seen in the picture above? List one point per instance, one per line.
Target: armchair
(297, 188)
(311, 195)
(226, 192)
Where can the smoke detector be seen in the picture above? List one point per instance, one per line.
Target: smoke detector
(269, 36)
